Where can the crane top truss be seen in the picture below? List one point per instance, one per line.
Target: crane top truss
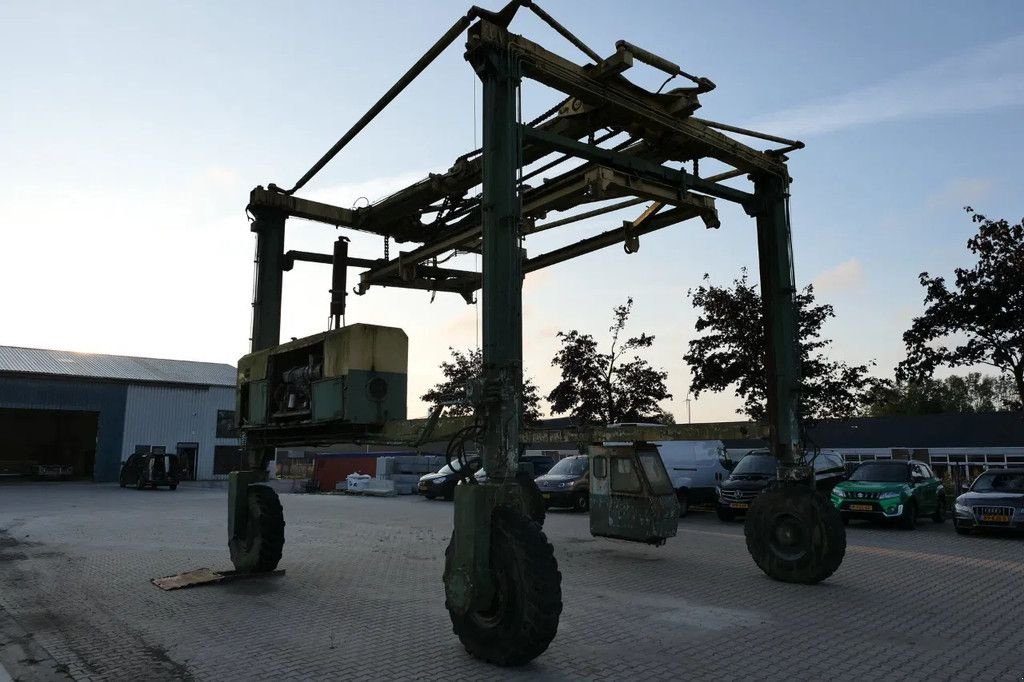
(626, 145)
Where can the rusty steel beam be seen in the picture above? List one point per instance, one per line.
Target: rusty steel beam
(630, 102)
(628, 433)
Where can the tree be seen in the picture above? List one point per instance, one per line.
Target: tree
(731, 352)
(604, 388)
(980, 319)
(973, 392)
(465, 366)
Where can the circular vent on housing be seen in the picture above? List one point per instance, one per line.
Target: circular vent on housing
(377, 389)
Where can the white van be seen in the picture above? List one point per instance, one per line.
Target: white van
(693, 466)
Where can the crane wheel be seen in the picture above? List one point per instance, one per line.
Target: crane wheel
(533, 499)
(259, 551)
(795, 534)
(523, 616)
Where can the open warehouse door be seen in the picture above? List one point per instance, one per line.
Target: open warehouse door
(49, 444)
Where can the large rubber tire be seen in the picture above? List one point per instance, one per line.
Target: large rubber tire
(259, 550)
(173, 487)
(523, 619)
(724, 514)
(140, 483)
(684, 503)
(581, 502)
(120, 482)
(960, 530)
(533, 499)
(940, 510)
(795, 535)
(908, 519)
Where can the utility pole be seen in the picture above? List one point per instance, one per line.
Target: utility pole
(689, 417)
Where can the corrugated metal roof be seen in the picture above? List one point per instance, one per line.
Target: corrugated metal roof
(118, 367)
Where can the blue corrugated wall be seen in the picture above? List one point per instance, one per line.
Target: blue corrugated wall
(107, 399)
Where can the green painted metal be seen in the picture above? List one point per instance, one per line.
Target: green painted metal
(631, 496)
(778, 291)
(502, 258)
(328, 400)
(257, 410)
(467, 580)
(266, 313)
(364, 402)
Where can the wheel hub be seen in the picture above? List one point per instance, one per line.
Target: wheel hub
(788, 536)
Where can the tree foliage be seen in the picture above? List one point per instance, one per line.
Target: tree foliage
(731, 352)
(974, 392)
(607, 387)
(465, 366)
(979, 319)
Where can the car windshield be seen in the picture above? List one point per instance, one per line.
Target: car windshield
(881, 472)
(454, 466)
(756, 464)
(570, 466)
(999, 482)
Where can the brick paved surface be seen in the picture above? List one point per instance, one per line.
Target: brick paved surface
(362, 598)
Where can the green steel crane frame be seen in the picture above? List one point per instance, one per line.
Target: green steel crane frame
(659, 129)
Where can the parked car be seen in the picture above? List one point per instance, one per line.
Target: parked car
(442, 483)
(756, 469)
(895, 490)
(534, 465)
(150, 470)
(567, 484)
(995, 500)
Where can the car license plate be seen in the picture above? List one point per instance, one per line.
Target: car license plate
(547, 496)
(995, 518)
(861, 507)
(739, 505)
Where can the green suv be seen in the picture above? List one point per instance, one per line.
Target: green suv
(896, 490)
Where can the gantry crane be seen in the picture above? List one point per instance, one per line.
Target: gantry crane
(623, 146)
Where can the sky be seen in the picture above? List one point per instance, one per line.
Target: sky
(131, 133)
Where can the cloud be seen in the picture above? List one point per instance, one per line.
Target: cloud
(984, 78)
(847, 275)
(960, 192)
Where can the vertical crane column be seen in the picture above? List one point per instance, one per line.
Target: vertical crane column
(793, 532)
(778, 291)
(266, 304)
(255, 543)
(502, 263)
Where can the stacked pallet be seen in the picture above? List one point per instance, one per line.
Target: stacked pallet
(405, 470)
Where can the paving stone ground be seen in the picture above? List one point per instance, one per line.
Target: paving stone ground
(363, 599)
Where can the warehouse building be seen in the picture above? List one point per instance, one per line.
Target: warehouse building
(90, 411)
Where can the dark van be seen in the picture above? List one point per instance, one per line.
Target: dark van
(751, 475)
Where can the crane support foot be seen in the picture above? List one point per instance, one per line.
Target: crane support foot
(520, 619)
(795, 534)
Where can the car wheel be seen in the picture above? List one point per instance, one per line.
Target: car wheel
(121, 482)
(259, 549)
(940, 510)
(960, 530)
(908, 519)
(581, 503)
(140, 483)
(684, 503)
(430, 497)
(173, 486)
(795, 535)
(522, 619)
(725, 514)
